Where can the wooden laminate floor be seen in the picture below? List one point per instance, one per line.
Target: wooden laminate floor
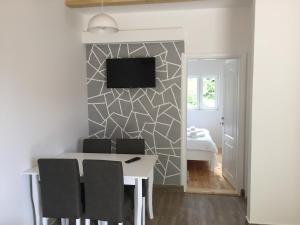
(172, 207)
(178, 208)
(202, 180)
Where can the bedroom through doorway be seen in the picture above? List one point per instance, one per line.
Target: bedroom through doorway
(212, 90)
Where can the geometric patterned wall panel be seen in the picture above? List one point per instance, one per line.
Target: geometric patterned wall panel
(150, 113)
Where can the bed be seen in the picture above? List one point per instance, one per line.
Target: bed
(200, 146)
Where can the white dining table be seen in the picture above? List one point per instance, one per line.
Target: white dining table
(134, 173)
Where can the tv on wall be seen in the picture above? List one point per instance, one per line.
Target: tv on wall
(130, 72)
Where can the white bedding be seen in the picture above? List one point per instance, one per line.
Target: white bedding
(202, 143)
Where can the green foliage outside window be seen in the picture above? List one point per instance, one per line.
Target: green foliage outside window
(207, 95)
(209, 88)
(192, 101)
(192, 96)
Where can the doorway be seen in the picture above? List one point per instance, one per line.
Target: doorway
(211, 132)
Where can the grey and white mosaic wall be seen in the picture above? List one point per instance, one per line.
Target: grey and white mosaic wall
(150, 113)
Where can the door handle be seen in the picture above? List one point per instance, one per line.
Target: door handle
(222, 123)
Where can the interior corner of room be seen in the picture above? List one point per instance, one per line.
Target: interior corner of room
(199, 83)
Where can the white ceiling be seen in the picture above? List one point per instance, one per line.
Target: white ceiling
(167, 6)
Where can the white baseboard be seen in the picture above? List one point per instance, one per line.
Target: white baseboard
(264, 223)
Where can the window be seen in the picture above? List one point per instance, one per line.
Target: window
(202, 92)
(209, 93)
(192, 95)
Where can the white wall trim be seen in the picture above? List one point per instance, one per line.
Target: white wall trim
(183, 122)
(241, 112)
(140, 35)
(256, 222)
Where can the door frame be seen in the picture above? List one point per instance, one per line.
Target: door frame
(241, 112)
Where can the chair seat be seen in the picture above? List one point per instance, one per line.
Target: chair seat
(128, 206)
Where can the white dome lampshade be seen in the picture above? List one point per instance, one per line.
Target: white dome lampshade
(102, 23)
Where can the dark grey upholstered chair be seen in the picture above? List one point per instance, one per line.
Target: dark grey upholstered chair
(97, 146)
(130, 146)
(60, 189)
(104, 191)
(133, 146)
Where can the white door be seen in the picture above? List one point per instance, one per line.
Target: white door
(229, 120)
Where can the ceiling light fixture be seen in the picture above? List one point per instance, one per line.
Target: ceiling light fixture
(102, 23)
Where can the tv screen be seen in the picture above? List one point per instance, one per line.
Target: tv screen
(130, 73)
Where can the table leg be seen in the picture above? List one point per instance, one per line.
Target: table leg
(36, 199)
(149, 195)
(45, 221)
(213, 162)
(138, 202)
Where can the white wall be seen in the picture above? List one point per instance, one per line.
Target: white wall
(209, 119)
(213, 30)
(43, 109)
(275, 155)
(248, 109)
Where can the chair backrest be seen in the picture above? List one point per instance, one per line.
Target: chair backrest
(104, 190)
(130, 146)
(97, 146)
(60, 188)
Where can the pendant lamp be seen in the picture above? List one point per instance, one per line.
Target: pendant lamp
(102, 23)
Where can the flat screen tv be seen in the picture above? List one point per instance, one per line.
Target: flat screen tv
(130, 72)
